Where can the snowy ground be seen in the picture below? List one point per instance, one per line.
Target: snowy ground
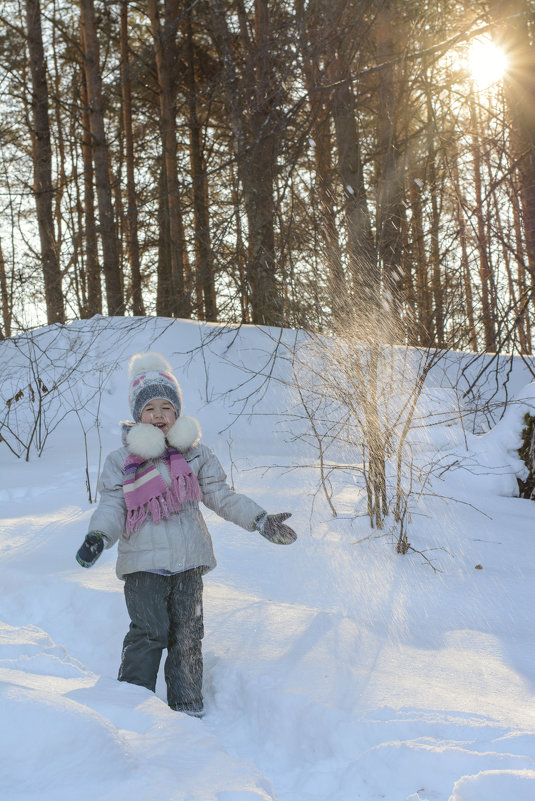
(335, 669)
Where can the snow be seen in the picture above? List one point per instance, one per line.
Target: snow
(335, 669)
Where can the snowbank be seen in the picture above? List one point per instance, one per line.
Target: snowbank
(334, 670)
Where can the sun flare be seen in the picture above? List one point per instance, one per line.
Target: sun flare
(486, 61)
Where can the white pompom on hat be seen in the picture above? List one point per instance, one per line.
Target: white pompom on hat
(151, 376)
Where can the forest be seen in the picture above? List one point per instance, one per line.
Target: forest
(363, 165)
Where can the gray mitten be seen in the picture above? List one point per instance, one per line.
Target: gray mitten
(273, 528)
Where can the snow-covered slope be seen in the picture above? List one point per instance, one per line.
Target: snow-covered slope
(335, 669)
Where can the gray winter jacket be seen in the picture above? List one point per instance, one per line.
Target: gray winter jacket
(182, 541)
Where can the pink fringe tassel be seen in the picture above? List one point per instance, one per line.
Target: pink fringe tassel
(184, 488)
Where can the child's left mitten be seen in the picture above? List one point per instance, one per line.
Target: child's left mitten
(273, 528)
(90, 550)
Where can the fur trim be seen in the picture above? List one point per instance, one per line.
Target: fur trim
(145, 362)
(148, 442)
(145, 440)
(184, 433)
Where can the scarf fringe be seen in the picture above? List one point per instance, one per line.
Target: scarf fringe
(185, 488)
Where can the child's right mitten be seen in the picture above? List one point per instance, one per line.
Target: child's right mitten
(274, 529)
(90, 550)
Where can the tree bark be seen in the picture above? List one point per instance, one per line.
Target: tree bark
(92, 266)
(362, 256)
(131, 213)
(6, 300)
(165, 300)
(204, 278)
(525, 291)
(165, 53)
(424, 314)
(266, 296)
(309, 27)
(390, 210)
(465, 267)
(251, 109)
(108, 230)
(520, 94)
(42, 166)
(434, 251)
(485, 269)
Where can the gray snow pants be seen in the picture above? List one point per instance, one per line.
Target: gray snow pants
(165, 612)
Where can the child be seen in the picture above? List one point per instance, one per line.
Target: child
(150, 492)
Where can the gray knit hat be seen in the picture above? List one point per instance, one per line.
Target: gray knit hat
(151, 377)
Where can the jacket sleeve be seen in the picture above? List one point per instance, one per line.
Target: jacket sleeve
(109, 518)
(218, 496)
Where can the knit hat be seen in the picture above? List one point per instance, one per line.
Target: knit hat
(151, 377)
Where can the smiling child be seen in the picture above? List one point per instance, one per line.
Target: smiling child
(149, 503)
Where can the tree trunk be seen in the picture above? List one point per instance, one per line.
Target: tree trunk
(61, 135)
(434, 234)
(310, 29)
(515, 18)
(204, 278)
(323, 146)
(92, 266)
(131, 214)
(465, 268)
(437, 282)
(165, 54)
(390, 213)
(108, 231)
(240, 251)
(407, 284)
(423, 303)
(485, 269)
(251, 109)
(42, 166)
(6, 300)
(165, 300)
(523, 290)
(266, 297)
(516, 309)
(362, 257)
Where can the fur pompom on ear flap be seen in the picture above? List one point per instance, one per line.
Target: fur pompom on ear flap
(184, 434)
(146, 441)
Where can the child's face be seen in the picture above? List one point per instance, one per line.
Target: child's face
(160, 413)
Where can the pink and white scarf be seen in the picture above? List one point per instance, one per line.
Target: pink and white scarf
(145, 489)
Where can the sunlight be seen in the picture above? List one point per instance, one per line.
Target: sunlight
(486, 61)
